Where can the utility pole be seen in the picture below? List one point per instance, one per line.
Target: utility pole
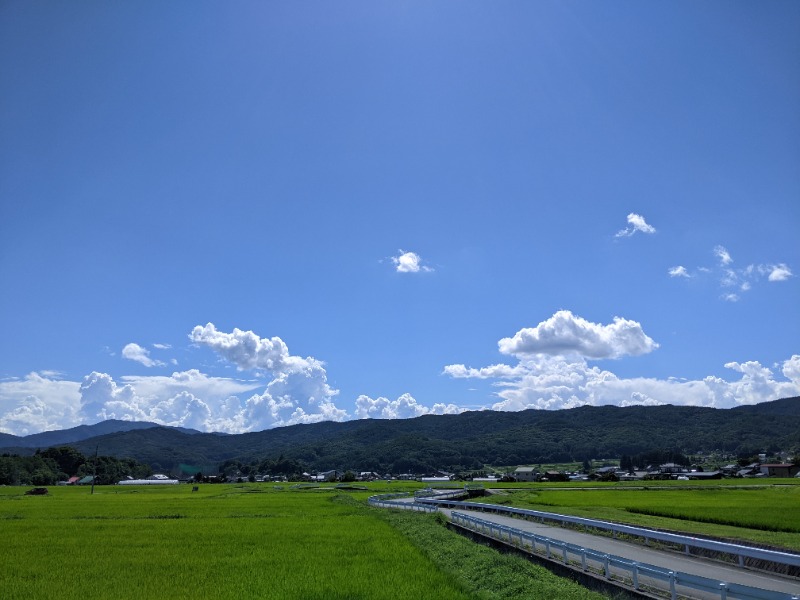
(94, 466)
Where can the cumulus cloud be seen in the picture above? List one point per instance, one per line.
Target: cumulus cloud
(141, 355)
(298, 393)
(102, 398)
(404, 407)
(635, 223)
(565, 333)
(247, 350)
(558, 382)
(38, 402)
(679, 271)
(409, 262)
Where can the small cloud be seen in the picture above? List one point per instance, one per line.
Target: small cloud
(741, 279)
(779, 272)
(723, 255)
(679, 271)
(162, 346)
(409, 262)
(637, 223)
(136, 353)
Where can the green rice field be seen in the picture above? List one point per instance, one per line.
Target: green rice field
(749, 512)
(246, 541)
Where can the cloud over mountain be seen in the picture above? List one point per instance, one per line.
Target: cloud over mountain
(404, 407)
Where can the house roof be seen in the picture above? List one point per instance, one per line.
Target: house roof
(524, 469)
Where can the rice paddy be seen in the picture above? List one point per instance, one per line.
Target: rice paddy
(241, 541)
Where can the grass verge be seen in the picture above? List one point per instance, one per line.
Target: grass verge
(484, 573)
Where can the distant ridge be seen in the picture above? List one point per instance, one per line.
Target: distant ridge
(59, 437)
(468, 440)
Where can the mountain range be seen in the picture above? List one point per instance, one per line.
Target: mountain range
(464, 441)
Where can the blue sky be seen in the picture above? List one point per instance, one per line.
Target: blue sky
(239, 217)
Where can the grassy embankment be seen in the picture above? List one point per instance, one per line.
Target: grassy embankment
(746, 510)
(245, 541)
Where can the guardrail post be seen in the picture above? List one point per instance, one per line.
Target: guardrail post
(672, 592)
(607, 568)
(723, 591)
(566, 560)
(583, 559)
(741, 561)
(547, 548)
(635, 575)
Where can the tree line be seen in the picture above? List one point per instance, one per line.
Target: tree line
(48, 467)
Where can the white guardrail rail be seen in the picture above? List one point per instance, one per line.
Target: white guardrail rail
(391, 501)
(642, 577)
(687, 542)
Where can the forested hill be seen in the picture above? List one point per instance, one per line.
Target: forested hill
(472, 439)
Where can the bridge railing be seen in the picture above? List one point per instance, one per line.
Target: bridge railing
(639, 576)
(391, 501)
(740, 552)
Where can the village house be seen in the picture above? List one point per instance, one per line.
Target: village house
(780, 470)
(525, 474)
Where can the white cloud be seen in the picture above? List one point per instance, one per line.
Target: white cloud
(404, 407)
(141, 355)
(102, 398)
(744, 279)
(557, 382)
(779, 272)
(679, 271)
(723, 255)
(182, 410)
(566, 334)
(499, 371)
(636, 223)
(162, 346)
(298, 393)
(246, 350)
(38, 402)
(409, 262)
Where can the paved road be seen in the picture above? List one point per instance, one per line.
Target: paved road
(642, 554)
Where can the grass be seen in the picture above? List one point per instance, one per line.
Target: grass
(246, 541)
(763, 514)
(484, 572)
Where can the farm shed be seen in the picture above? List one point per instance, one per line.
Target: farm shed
(780, 470)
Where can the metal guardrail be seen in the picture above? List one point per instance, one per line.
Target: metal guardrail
(389, 501)
(688, 542)
(440, 494)
(640, 576)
